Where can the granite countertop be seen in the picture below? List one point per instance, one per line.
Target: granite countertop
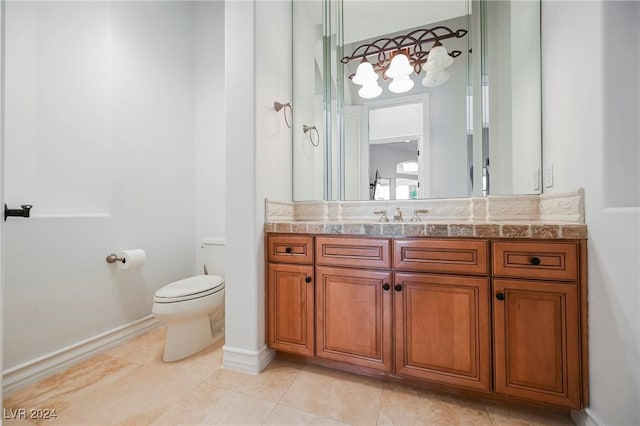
(542, 230)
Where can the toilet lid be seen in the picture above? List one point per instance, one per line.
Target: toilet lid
(190, 286)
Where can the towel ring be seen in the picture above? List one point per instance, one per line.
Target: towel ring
(278, 106)
(306, 130)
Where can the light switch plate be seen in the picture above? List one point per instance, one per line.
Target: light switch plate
(536, 179)
(548, 176)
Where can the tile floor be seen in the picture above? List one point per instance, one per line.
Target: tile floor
(130, 385)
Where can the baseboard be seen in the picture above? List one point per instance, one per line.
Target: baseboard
(586, 417)
(30, 372)
(244, 361)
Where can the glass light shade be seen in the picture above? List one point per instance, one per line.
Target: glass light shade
(437, 51)
(435, 78)
(364, 74)
(370, 90)
(399, 66)
(401, 84)
(438, 59)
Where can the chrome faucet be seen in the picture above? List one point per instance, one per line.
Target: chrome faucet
(398, 216)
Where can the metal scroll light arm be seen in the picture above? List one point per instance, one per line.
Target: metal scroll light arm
(306, 129)
(280, 106)
(411, 43)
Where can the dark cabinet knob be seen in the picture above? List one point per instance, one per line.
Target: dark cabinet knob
(287, 250)
(398, 287)
(307, 280)
(535, 260)
(386, 287)
(500, 296)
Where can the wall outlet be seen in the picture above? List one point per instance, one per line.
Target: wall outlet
(536, 179)
(548, 176)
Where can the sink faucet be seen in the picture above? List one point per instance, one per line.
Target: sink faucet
(415, 217)
(383, 215)
(397, 217)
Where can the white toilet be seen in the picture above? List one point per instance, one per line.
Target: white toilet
(193, 308)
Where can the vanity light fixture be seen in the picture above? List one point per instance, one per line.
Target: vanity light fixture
(398, 57)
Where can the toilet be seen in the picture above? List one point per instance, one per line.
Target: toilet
(193, 308)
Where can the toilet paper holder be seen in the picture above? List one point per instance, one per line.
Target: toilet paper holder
(113, 258)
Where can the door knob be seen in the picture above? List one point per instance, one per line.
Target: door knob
(500, 296)
(386, 287)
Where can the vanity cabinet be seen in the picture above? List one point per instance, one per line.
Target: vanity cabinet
(353, 316)
(290, 294)
(354, 301)
(536, 321)
(501, 318)
(442, 319)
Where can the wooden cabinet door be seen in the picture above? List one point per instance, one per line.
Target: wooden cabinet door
(353, 316)
(536, 341)
(291, 308)
(443, 329)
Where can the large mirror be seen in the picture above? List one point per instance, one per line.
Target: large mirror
(461, 123)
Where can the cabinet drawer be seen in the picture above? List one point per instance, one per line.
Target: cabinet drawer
(290, 249)
(356, 252)
(444, 255)
(544, 260)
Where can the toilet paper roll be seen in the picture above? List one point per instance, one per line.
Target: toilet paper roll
(135, 257)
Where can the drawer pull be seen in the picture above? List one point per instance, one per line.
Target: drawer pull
(386, 287)
(500, 296)
(307, 280)
(288, 250)
(398, 287)
(535, 260)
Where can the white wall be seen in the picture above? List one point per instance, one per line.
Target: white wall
(137, 107)
(591, 64)
(262, 74)
(209, 123)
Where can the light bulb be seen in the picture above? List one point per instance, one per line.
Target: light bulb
(401, 84)
(438, 59)
(370, 90)
(399, 66)
(435, 78)
(364, 73)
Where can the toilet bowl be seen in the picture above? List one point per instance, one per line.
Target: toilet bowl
(193, 308)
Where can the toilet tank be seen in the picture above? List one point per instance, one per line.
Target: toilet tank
(214, 255)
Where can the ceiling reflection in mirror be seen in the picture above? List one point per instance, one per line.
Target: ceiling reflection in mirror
(390, 86)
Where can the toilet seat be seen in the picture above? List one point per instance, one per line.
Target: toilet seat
(189, 288)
